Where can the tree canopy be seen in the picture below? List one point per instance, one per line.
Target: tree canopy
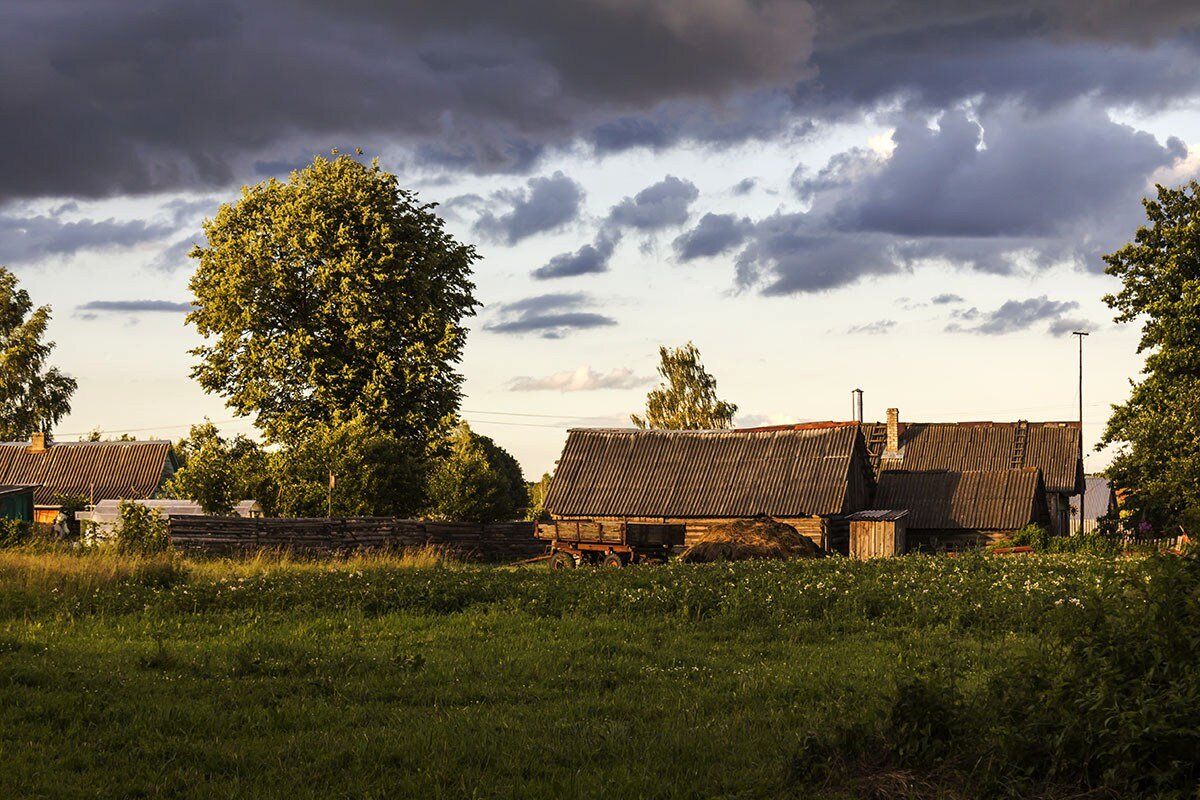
(1157, 430)
(331, 295)
(477, 480)
(33, 396)
(375, 474)
(687, 397)
(219, 472)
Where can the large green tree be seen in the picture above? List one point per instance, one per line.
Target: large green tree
(1157, 431)
(687, 397)
(477, 481)
(333, 294)
(33, 396)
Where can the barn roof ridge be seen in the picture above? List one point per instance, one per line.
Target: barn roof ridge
(53, 444)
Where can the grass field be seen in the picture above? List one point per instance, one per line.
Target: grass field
(410, 677)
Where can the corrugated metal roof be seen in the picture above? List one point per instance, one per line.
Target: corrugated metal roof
(96, 470)
(1052, 447)
(682, 474)
(878, 515)
(1099, 498)
(974, 499)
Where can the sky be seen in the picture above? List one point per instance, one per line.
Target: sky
(911, 198)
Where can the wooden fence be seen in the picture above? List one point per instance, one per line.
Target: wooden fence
(503, 541)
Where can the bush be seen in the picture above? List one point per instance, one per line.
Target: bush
(14, 532)
(140, 529)
(1034, 536)
(477, 481)
(1042, 542)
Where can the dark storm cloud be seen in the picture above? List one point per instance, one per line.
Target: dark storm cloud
(1007, 191)
(918, 55)
(29, 239)
(713, 235)
(145, 97)
(1008, 174)
(938, 55)
(153, 97)
(546, 203)
(759, 115)
(589, 259)
(550, 316)
(794, 253)
(1017, 315)
(661, 205)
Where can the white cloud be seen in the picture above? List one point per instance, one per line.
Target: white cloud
(583, 379)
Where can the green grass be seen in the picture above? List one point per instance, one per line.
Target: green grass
(414, 677)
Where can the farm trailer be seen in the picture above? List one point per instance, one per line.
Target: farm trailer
(609, 543)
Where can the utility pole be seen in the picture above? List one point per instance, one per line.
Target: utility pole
(329, 507)
(1083, 487)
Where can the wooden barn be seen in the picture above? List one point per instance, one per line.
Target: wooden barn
(1050, 447)
(93, 471)
(807, 478)
(956, 510)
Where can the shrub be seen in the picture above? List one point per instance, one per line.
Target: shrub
(476, 481)
(140, 529)
(15, 532)
(1035, 536)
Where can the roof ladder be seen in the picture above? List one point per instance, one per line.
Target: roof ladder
(876, 442)
(1019, 440)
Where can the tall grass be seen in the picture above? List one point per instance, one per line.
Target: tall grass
(409, 674)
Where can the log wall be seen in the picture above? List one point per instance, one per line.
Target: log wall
(502, 541)
(815, 528)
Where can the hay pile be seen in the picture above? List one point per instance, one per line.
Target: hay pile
(761, 537)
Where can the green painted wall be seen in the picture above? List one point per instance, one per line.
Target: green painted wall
(18, 505)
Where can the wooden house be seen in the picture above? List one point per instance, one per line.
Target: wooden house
(1049, 447)
(807, 478)
(955, 510)
(92, 471)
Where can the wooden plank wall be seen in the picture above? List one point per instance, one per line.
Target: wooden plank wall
(503, 541)
(876, 538)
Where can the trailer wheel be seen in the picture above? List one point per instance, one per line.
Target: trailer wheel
(561, 560)
(614, 560)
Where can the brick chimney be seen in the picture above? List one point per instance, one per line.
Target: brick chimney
(37, 442)
(893, 431)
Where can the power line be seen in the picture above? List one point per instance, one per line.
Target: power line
(527, 414)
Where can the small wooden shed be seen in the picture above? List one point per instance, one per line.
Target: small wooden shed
(877, 533)
(16, 502)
